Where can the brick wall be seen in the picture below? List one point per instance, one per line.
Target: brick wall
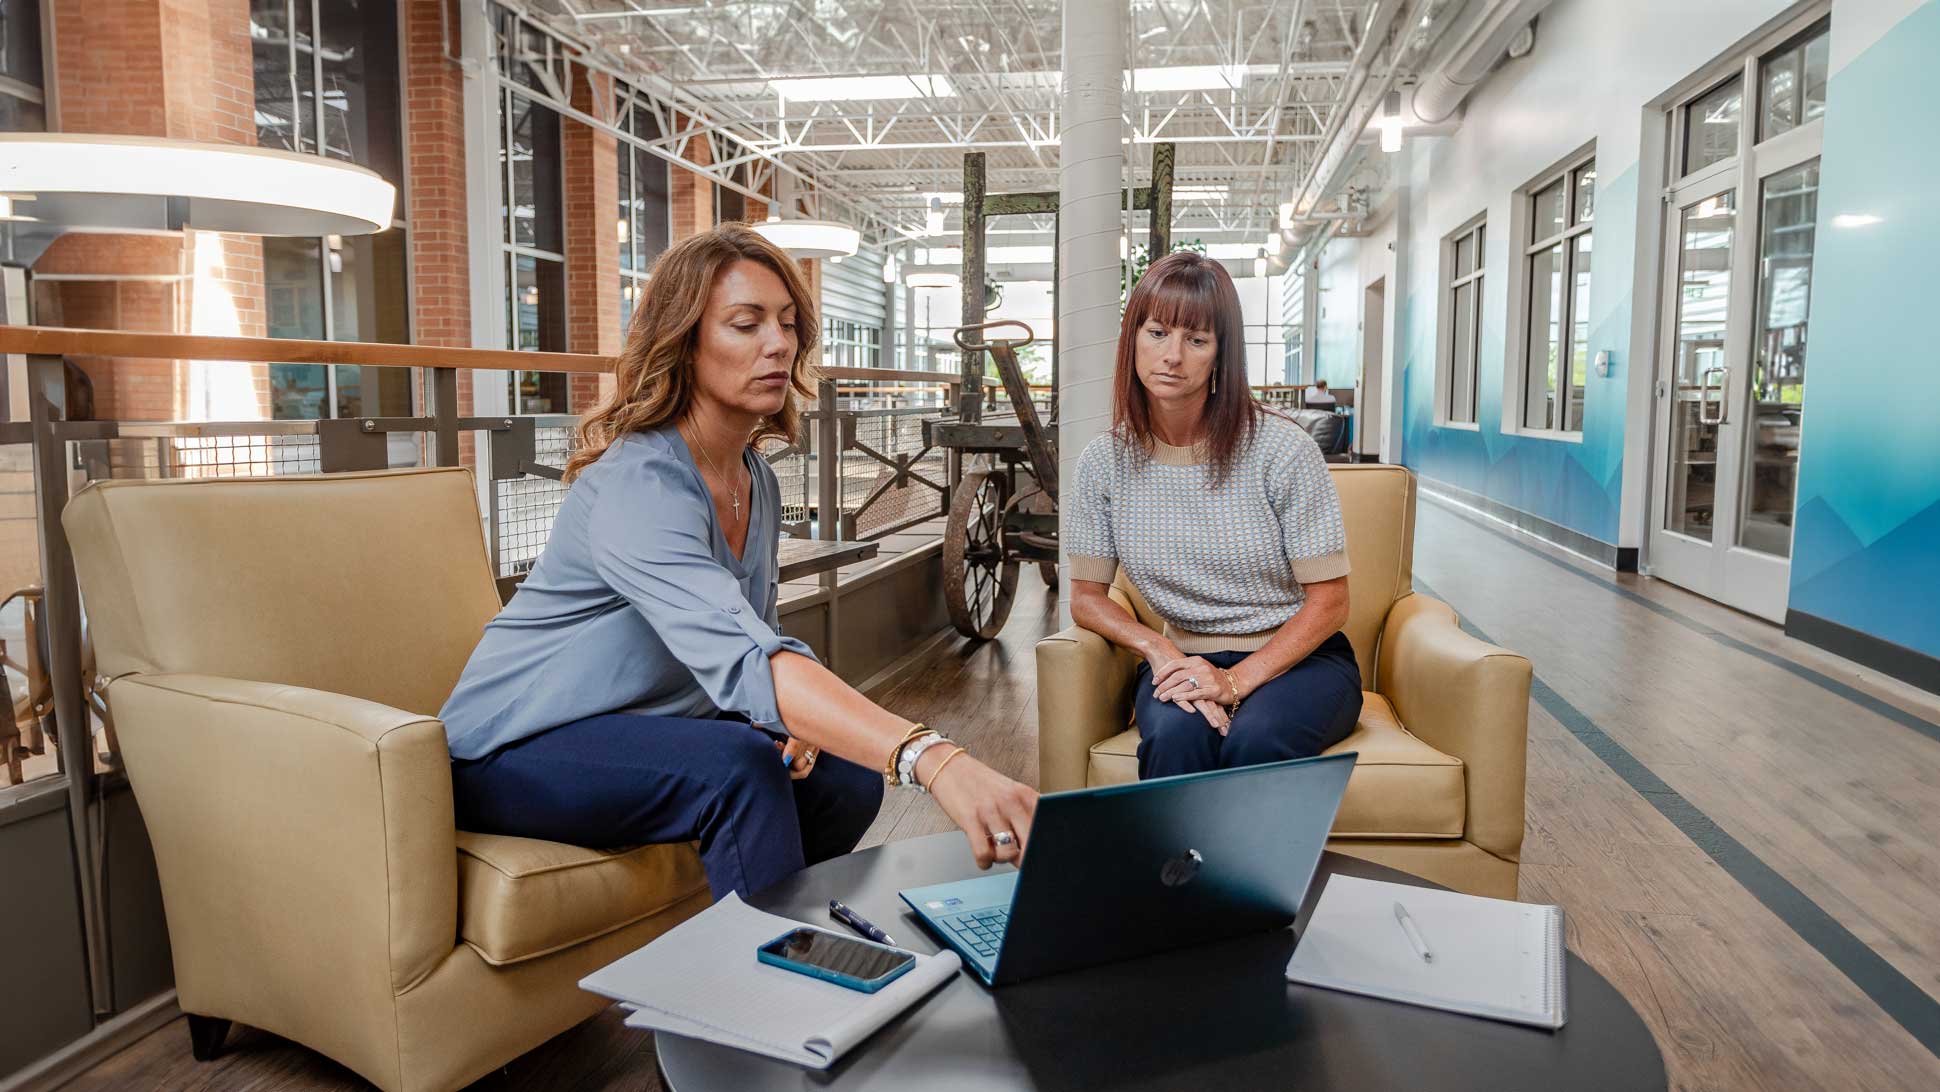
(169, 68)
(592, 197)
(691, 195)
(434, 113)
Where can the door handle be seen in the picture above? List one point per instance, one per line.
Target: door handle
(1706, 389)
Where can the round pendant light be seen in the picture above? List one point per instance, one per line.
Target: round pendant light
(86, 180)
(811, 238)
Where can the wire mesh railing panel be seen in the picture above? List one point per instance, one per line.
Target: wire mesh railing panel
(157, 457)
(527, 507)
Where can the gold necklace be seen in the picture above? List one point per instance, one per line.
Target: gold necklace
(734, 494)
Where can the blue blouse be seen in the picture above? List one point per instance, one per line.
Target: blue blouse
(636, 605)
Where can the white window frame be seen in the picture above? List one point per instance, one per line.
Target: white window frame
(1519, 382)
(1475, 228)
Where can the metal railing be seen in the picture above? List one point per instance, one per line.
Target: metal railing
(879, 476)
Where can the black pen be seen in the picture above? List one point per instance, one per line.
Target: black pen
(857, 922)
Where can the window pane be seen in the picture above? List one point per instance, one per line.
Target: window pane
(1711, 126)
(1579, 358)
(1545, 336)
(20, 41)
(360, 84)
(539, 305)
(1461, 376)
(1586, 193)
(535, 175)
(1704, 297)
(1787, 217)
(1793, 90)
(1550, 210)
(21, 116)
(276, 92)
(1464, 256)
(368, 301)
(629, 207)
(293, 287)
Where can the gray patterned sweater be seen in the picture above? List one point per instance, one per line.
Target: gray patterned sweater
(1223, 565)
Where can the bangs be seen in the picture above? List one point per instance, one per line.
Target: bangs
(1185, 297)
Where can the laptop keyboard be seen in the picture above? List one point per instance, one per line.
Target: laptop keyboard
(982, 932)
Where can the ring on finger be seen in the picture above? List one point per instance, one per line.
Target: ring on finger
(1004, 838)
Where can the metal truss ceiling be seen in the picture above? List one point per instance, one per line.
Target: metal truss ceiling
(1288, 69)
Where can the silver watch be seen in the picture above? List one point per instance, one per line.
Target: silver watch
(913, 750)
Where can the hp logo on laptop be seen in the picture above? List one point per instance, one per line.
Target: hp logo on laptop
(1179, 871)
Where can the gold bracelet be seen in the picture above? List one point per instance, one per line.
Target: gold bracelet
(938, 772)
(896, 752)
(1233, 690)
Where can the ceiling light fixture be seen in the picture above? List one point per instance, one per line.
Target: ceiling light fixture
(933, 220)
(933, 278)
(859, 88)
(1208, 77)
(1259, 263)
(811, 238)
(889, 269)
(1390, 122)
(87, 180)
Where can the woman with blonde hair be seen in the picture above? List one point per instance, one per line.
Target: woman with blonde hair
(636, 689)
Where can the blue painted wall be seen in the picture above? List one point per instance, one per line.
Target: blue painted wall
(1866, 551)
(1576, 485)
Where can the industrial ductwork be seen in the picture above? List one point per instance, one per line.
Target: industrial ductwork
(1443, 87)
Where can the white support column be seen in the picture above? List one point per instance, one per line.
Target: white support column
(484, 181)
(1091, 168)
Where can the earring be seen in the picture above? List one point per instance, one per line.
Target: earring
(1215, 383)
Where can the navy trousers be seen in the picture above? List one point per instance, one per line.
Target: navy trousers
(625, 780)
(1303, 712)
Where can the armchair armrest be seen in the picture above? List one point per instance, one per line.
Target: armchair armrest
(1084, 696)
(1466, 698)
(304, 841)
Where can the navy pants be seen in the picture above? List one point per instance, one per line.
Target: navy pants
(624, 780)
(1303, 712)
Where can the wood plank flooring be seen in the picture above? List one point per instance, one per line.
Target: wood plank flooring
(1837, 798)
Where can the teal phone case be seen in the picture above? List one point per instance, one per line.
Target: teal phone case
(849, 981)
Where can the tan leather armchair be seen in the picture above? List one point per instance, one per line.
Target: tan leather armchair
(1438, 788)
(277, 651)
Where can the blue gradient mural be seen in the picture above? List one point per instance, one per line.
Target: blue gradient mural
(1576, 485)
(1866, 550)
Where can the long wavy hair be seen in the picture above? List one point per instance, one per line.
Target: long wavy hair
(1195, 292)
(654, 379)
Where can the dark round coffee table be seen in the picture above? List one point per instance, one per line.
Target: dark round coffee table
(1218, 1016)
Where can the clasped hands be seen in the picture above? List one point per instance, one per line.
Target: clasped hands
(1194, 684)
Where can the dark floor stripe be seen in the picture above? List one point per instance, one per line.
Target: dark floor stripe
(1898, 996)
(1823, 681)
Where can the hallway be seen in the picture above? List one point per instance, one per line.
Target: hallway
(1738, 825)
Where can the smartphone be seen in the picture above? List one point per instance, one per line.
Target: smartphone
(832, 957)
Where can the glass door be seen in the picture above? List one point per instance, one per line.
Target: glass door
(1731, 363)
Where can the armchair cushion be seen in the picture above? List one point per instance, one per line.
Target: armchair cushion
(521, 898)
(1401, 788)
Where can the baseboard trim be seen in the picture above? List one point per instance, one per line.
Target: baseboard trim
(899, 669)
(97, 1046)
(1903, 663)
(1621, 558)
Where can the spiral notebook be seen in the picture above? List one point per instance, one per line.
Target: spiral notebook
(1494, 958)
(702, 980)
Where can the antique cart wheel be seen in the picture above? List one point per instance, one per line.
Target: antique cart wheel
(979, 582)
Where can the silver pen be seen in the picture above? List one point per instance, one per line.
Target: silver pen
(1407, 924)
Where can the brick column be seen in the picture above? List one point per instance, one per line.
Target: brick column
(169, 68)
(592, 199)
(434, 121)
(691, 195)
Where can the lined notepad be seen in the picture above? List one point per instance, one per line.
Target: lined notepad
(1494, 958)
(702, 980)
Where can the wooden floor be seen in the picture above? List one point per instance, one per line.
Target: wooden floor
(1832, 791)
